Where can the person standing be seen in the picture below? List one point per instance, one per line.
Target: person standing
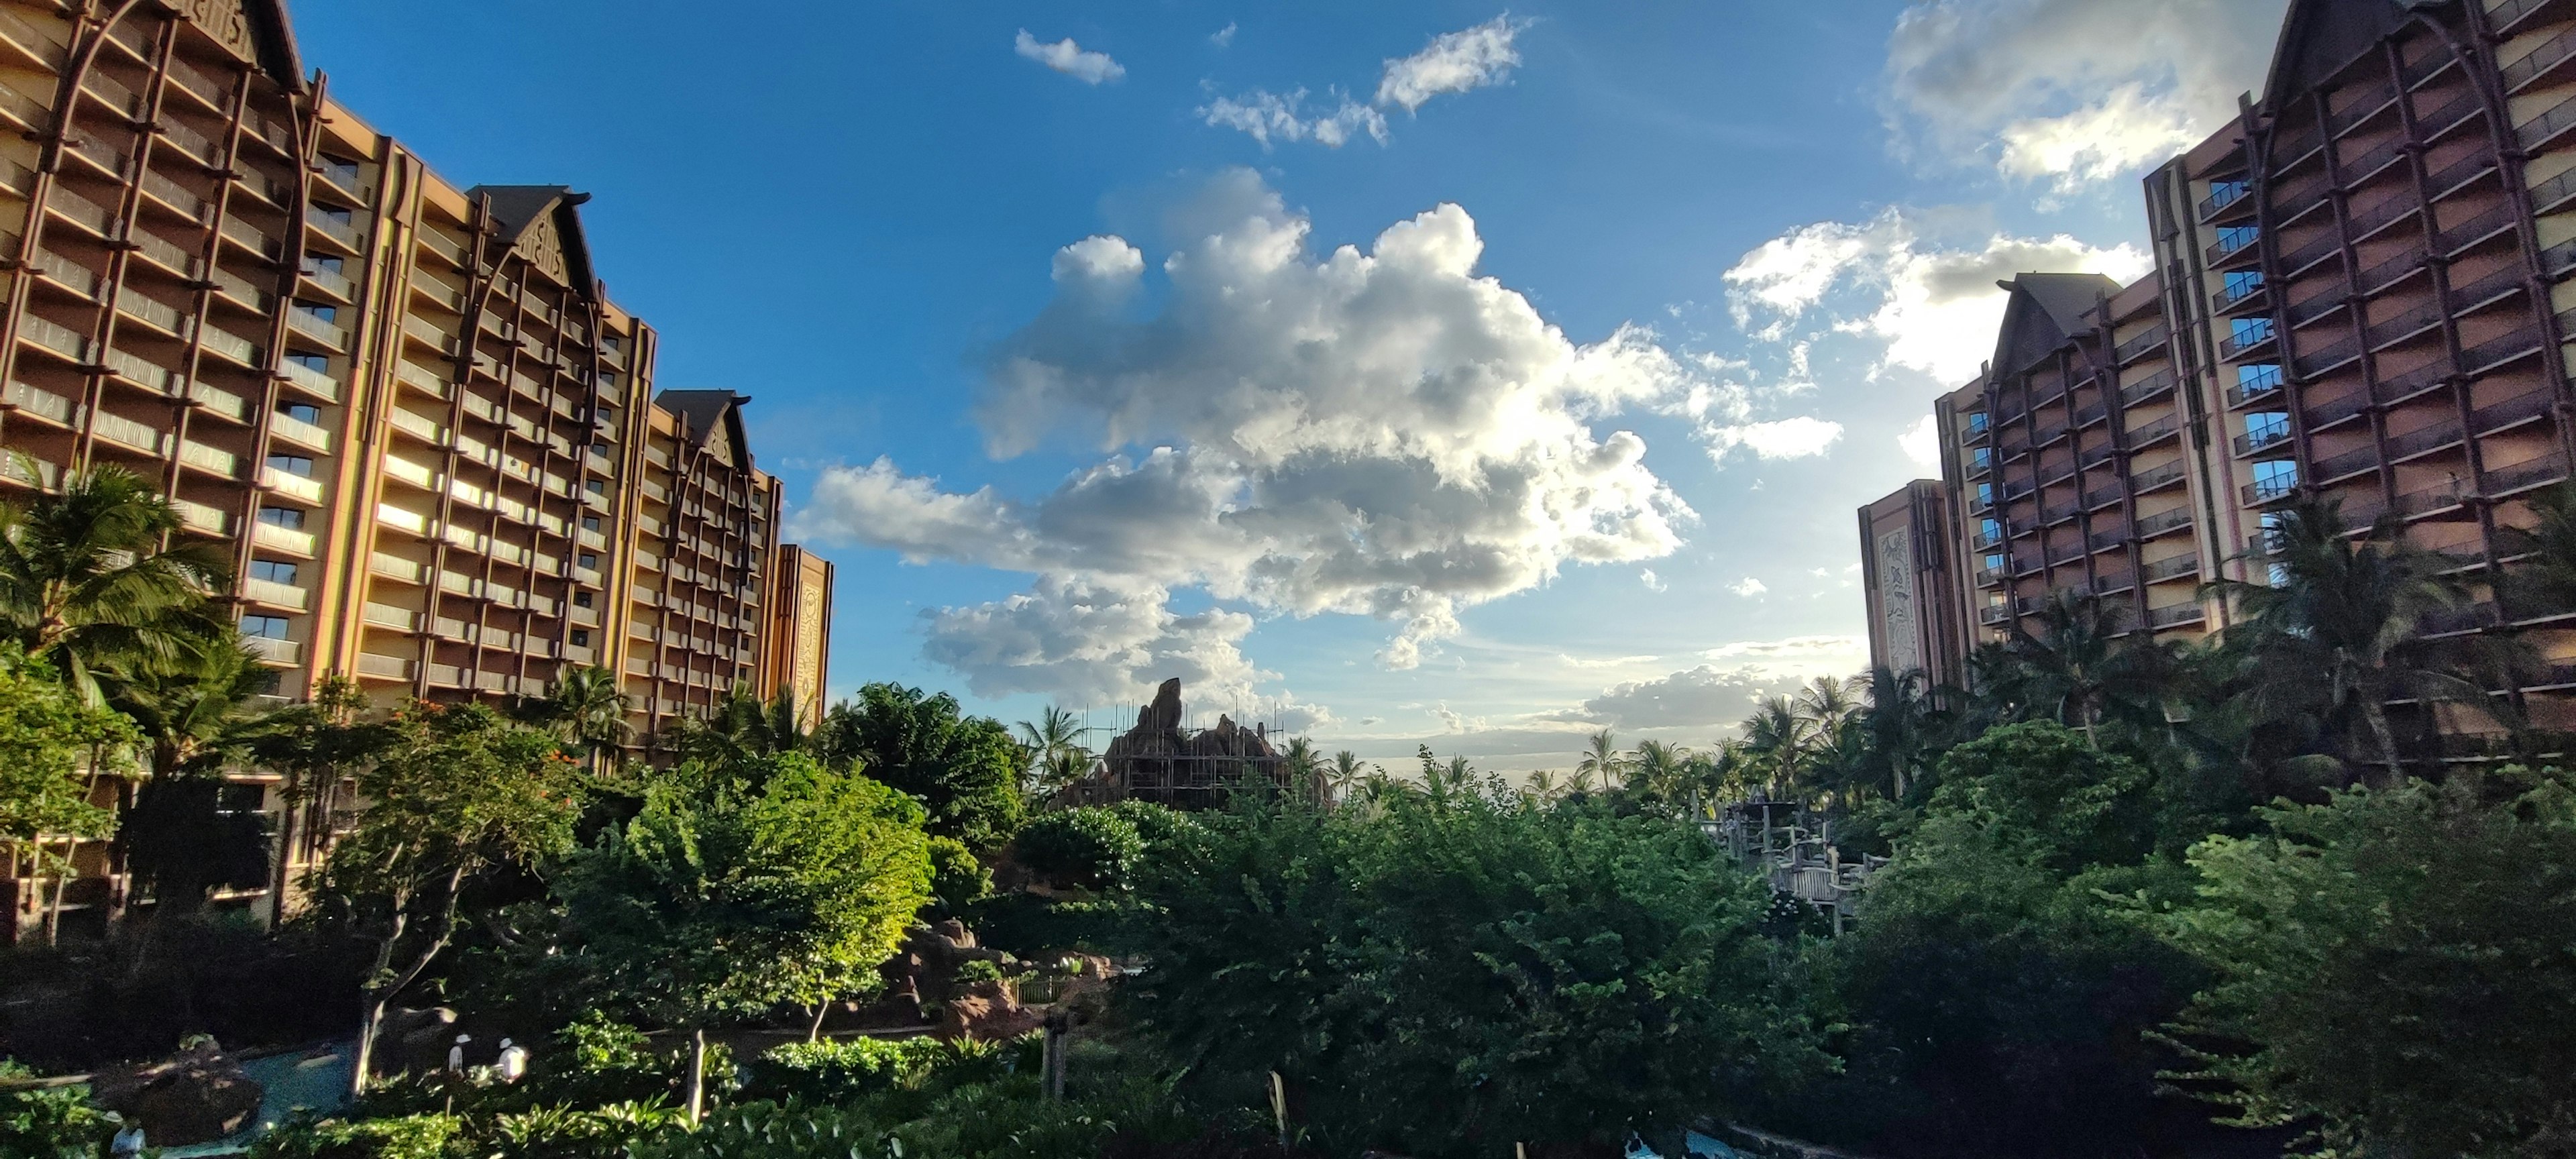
(456, 1053)
(514, 1061)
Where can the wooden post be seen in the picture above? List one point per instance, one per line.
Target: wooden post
(1053, 1058)
(1279, 1106)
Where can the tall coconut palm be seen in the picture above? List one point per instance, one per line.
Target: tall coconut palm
(88, 578)
(2343, 631)
(1542, 786)
(586, 706)
(2545, 580)
(1343, 774)
(1056, 756)
(1658, 769)
(1601, 761)
(1900, 720)
(2078, 670)
(1829, 702)
(1776, 740)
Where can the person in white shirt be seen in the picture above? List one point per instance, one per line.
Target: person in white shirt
(128, 1143)
(456, 1053)
(514, 1061)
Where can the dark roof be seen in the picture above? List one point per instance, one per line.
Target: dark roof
(275, 35)
(2319, 37)
(516, 207)
(699, 411)
(2043, 311)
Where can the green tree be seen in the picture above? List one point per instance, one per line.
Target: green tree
(459, 794)
(1448, 977)
(588, 709)
(1777, 740)
(49, 1122)
(1343, 775)
(195, 713)
(87, 577)
(740, 728)
(1055, 756)
(2080, 669)
(53, 749)
(1995, 1003)
(731, 896)
(1903, 725)
(2393, 966)
(966, 770)
(1659, 770)
(316, 747)
(2343, 631)
(1602, 761)
(1092, 847)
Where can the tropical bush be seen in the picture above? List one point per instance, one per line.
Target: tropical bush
(1091, 848)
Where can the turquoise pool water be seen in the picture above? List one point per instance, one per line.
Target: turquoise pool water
(315, 1078)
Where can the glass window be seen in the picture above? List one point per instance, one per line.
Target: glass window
(264, 627)
(331, 265)
(341, 216)
(581, 599)
(2275, 477)
(2266, 427)
(1984, 456)
(273, 570)
(1994, 563)
(2236, 237)
(1986, 494)
(596, 487)
(589, 560)
(1991, 529)
(581, 638)
(240, 798)
(288, 517)
(590, 523)
(300, 412)
(2248, 331)
(325, 313)
(2255, 377)
(1976, 422)
(317, 363)
(292, 464)
(2244, 282)
(2226, 192)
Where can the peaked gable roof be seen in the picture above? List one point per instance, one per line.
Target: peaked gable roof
(710, 420)
(522, 210)
(2319, 37)
(2042, 312)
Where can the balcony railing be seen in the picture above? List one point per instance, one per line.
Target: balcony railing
(344, 232)
(273, 651)
(2252, 441)
(286, 539)
(2245, 390)
(2163, 521)
(2173, 568)
(2173, 614)
(2266, 490)
(2138, 347)
(312, 326)
(2475, 229)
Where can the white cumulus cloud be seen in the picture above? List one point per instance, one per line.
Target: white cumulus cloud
(1071, 59)
(1453, 62)
(1748, 587)
(1922, 444)
(2072, 92)
(1934, 306)
(1381, 432)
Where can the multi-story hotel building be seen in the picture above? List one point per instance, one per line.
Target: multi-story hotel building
(408, 408)
(2360, 294)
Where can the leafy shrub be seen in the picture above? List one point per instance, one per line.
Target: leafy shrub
(836, 1072)
(406, 1137)
(977, 970)
(992, 1120)
(55, 1123)
(1170, 835)
(563, 1132)
(1091, 847)
(957, 879)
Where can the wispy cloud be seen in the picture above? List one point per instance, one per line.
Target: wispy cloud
(1223, 37)
(1071, 59)
(1454, 62)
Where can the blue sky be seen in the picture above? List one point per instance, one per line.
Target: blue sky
(1062, 369)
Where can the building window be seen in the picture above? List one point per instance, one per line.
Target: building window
(2243, 282)
(2236, 237)
(235, 799)
(581, 599)
(588, 560)
(2274, 478)
(300, 412)
(2248, 331)
(287, 517)
(1984, 457)
(581, 638)
(1976, 422)
(2256, 377)
(1990, 529)
(596, 487)
(264, 627)
(2263, 428)
(317, 363)
(292, 464)
(339, 216)
(274, 571)
(325, 313)
(1985, 494)
(590, 523)
(325, 265)
(2222, 193)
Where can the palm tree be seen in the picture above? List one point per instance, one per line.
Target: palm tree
(586, 706)
(87, 578)
(1829, 702)
(2545, 581)
(1899, 720)
(1657, 769)
(1776, 740)
(1056, 756)
(195, 715)
(2342, 631)
(742, 727)
(1601, 760)
(2077, 669)
(1343, 774)
(1542, 786)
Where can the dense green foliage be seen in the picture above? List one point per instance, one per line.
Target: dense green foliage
(1448, 973)
(965, 769)
(726, 897)
(49, 1123)
(47, 736)
(1089, 848)
(2396, 966)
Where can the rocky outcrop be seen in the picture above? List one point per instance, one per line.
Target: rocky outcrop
(1160, 761)
(197, 1097)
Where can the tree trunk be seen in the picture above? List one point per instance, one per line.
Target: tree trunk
(62, 883)
(286, 806)
(371, 1014)
(814, 1033)
(697, 1075)
(2376, 715)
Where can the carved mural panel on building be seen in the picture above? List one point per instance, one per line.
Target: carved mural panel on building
(1896, 603)
(543, 247)
(228, 21)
